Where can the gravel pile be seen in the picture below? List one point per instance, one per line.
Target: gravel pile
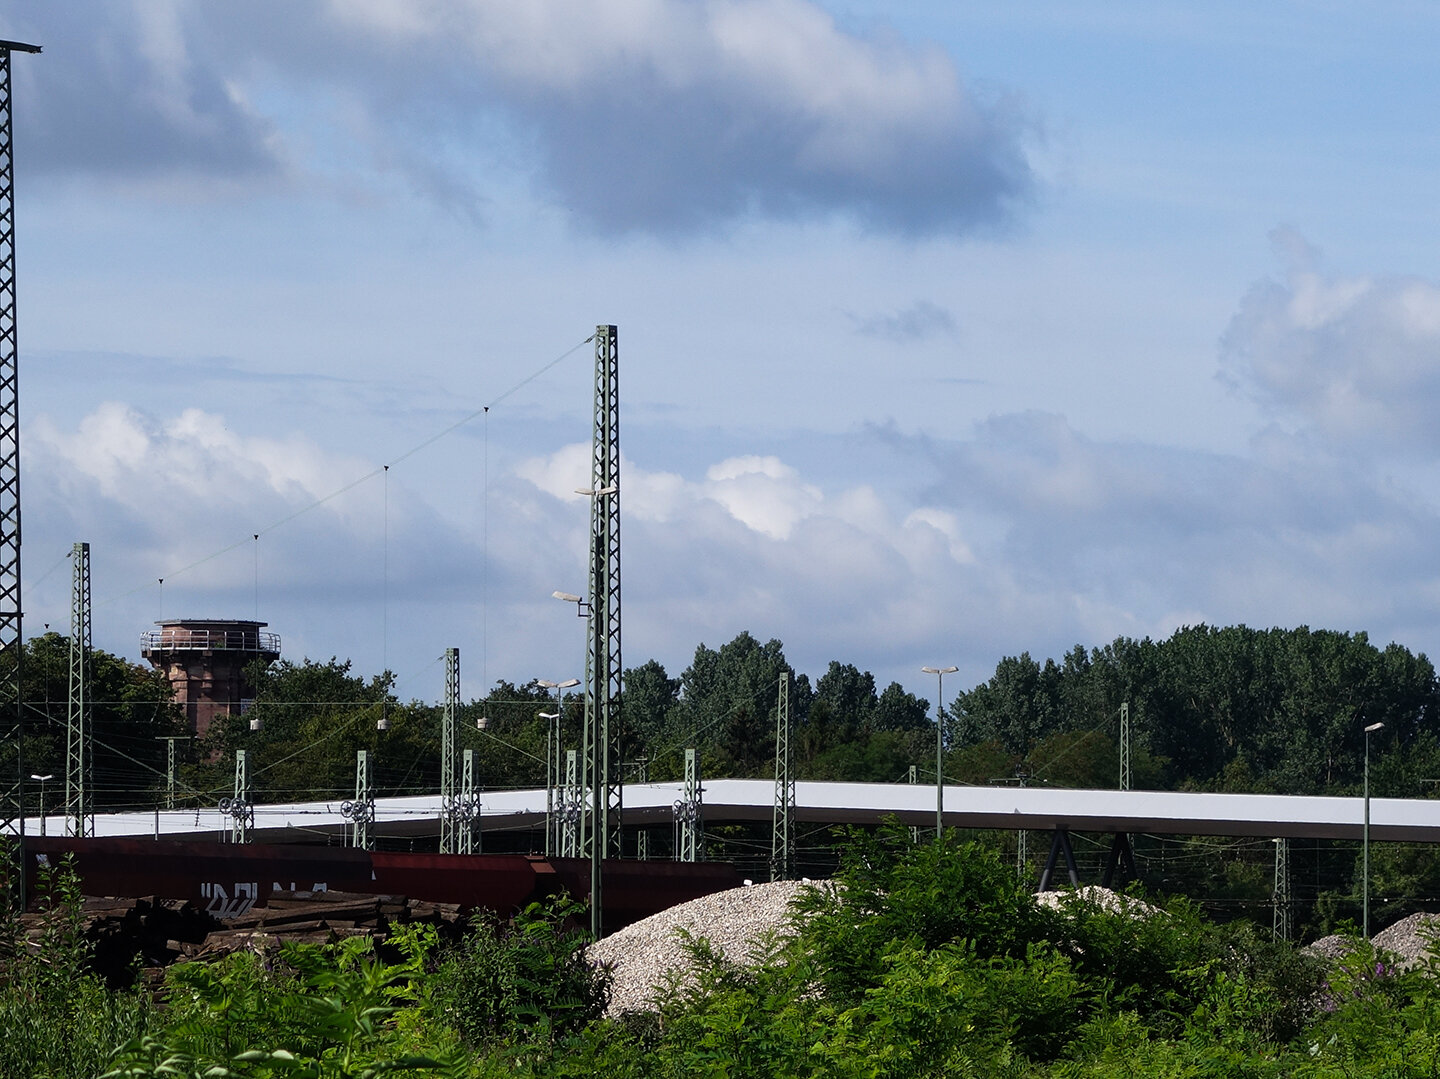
(733, 921)
(1104, 898)
(1332, 947)
(1409, 939)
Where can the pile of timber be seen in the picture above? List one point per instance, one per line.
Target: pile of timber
(322, 917)
(151, 933)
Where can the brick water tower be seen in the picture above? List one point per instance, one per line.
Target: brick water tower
(205, 660)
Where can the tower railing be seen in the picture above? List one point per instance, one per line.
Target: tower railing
(177, 639)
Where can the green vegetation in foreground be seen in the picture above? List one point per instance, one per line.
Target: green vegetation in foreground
(930, 960)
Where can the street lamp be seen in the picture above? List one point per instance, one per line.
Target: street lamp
(1365, 841)
(42, 780)
(939, 673)
(582, 608)
(552, 752)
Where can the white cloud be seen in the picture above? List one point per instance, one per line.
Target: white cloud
(762, 493)
(204, 463)
(1353, 360)
(947, 525)
(1032, 537)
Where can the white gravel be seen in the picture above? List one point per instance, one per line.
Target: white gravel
(1408, 939)
(1104, 898)
(1332, 947)
(733, 921)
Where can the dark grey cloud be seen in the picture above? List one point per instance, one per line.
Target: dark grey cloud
(631, 155)
(129, 90)
(679, 117)
(918, 322)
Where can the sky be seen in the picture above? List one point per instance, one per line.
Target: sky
(946, 331)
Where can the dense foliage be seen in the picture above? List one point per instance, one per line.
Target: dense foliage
(523, 978)
(1229, 709)
(57, 1018)
(131, 711)
(926, 960)
(1232, 709)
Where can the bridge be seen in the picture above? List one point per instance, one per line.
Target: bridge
(1273, 816)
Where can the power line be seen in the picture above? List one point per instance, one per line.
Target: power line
(380, 470)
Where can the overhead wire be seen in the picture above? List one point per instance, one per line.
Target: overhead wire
(378, 471)
(485, 555)
(254, 538)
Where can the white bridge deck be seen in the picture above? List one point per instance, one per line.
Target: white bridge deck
(727, 800)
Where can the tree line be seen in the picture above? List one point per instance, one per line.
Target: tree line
(1211, 709)
(1220, 709)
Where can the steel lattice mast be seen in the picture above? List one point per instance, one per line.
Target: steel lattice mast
(12, 704)
(239, 807)
(1282, 914)
(571, 808)
(1125, 776)
(600, 832)
(642, 835)
(782, 839)
(689, 829)
(79, 762)
(362, 810)
(449, 819)
(469, 838)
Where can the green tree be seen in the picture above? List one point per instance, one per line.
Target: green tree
(312, 716)
(132, 708)
(651, 696)
(727, 704)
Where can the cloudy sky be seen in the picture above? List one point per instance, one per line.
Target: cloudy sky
(947, 331)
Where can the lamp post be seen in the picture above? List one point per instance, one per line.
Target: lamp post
(1365, 840)
(552, 752)
(552, 723)
(939, 673)
(42, 780)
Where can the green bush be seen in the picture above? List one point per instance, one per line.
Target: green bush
(316, 1011)
(57, 1019)
(526, 978)
(893, 893)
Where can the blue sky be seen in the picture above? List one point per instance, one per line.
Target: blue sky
(947, 331)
